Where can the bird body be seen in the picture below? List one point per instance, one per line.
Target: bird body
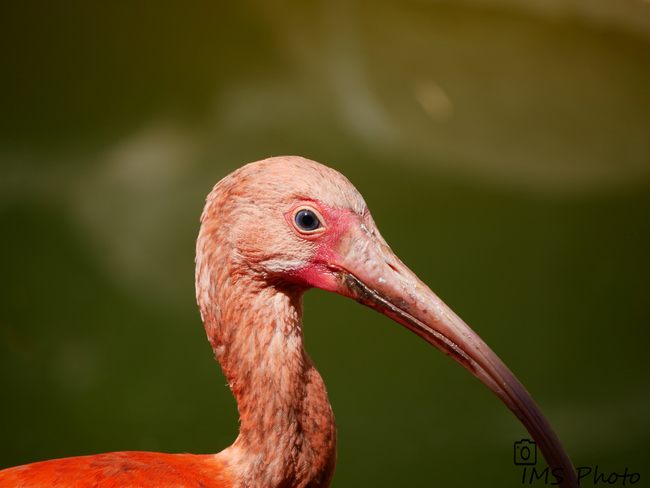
(121, 469)
(270, 231)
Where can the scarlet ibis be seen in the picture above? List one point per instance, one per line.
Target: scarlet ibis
(270, 231)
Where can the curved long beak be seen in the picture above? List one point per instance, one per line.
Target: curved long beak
(370, 273)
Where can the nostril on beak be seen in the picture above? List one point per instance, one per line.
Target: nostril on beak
(392, 266)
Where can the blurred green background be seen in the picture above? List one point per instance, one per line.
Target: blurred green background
(503, 148)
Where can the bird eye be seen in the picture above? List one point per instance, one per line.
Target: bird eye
(306, 220)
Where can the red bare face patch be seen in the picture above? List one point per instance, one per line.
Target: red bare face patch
(334, 223)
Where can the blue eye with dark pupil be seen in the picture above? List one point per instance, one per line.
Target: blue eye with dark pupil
(307, 220)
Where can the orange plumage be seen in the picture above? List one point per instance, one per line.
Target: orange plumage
(121, 469)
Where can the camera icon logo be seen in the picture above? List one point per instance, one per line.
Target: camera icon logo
(525, 453)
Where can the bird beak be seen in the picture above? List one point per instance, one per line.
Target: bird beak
(369, 272)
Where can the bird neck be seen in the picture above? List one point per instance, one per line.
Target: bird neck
(287, 435)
